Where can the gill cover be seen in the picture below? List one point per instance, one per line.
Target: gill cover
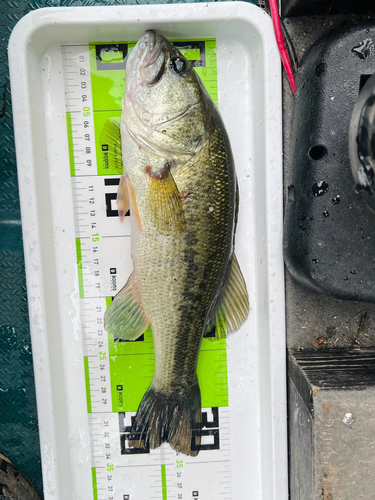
(165, 106)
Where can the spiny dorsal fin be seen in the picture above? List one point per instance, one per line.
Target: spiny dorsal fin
(234, 306)
(111, 136)
(125, 317)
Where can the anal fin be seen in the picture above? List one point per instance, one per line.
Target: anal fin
(125, 317)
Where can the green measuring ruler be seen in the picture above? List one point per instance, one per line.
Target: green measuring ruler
(118, 373)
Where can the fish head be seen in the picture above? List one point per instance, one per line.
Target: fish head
(166, 107)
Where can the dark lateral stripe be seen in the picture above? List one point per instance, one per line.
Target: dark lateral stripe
(214, 177)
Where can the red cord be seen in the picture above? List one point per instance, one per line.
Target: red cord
(280, 43)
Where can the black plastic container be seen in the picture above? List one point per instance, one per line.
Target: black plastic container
(329, 232)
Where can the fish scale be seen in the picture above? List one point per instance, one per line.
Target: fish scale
(203, 238)
(159, 305)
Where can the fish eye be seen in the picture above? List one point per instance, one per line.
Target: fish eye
(179, 65)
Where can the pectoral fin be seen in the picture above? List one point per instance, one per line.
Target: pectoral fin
(123, 203)
(133, 203)
(125, 317)
(234, 306)
(164, 202)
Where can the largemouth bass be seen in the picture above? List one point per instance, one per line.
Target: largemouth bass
(180, 184)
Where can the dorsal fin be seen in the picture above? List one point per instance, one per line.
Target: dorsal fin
(234, 308)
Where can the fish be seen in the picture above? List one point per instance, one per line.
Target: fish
(14, 485)
(180, 184)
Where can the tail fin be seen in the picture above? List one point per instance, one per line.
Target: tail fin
(172, 417)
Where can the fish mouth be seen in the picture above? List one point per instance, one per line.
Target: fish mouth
(157, 61)
(153, 70)
(146, 64)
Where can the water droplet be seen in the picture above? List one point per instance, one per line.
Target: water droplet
(346, 278)
(325, 213)
(320, 188)
(291, 194)
(315, 261)
(146, 117)
(336, 200)
(352, 271)
(364, 49)
(348, 418)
